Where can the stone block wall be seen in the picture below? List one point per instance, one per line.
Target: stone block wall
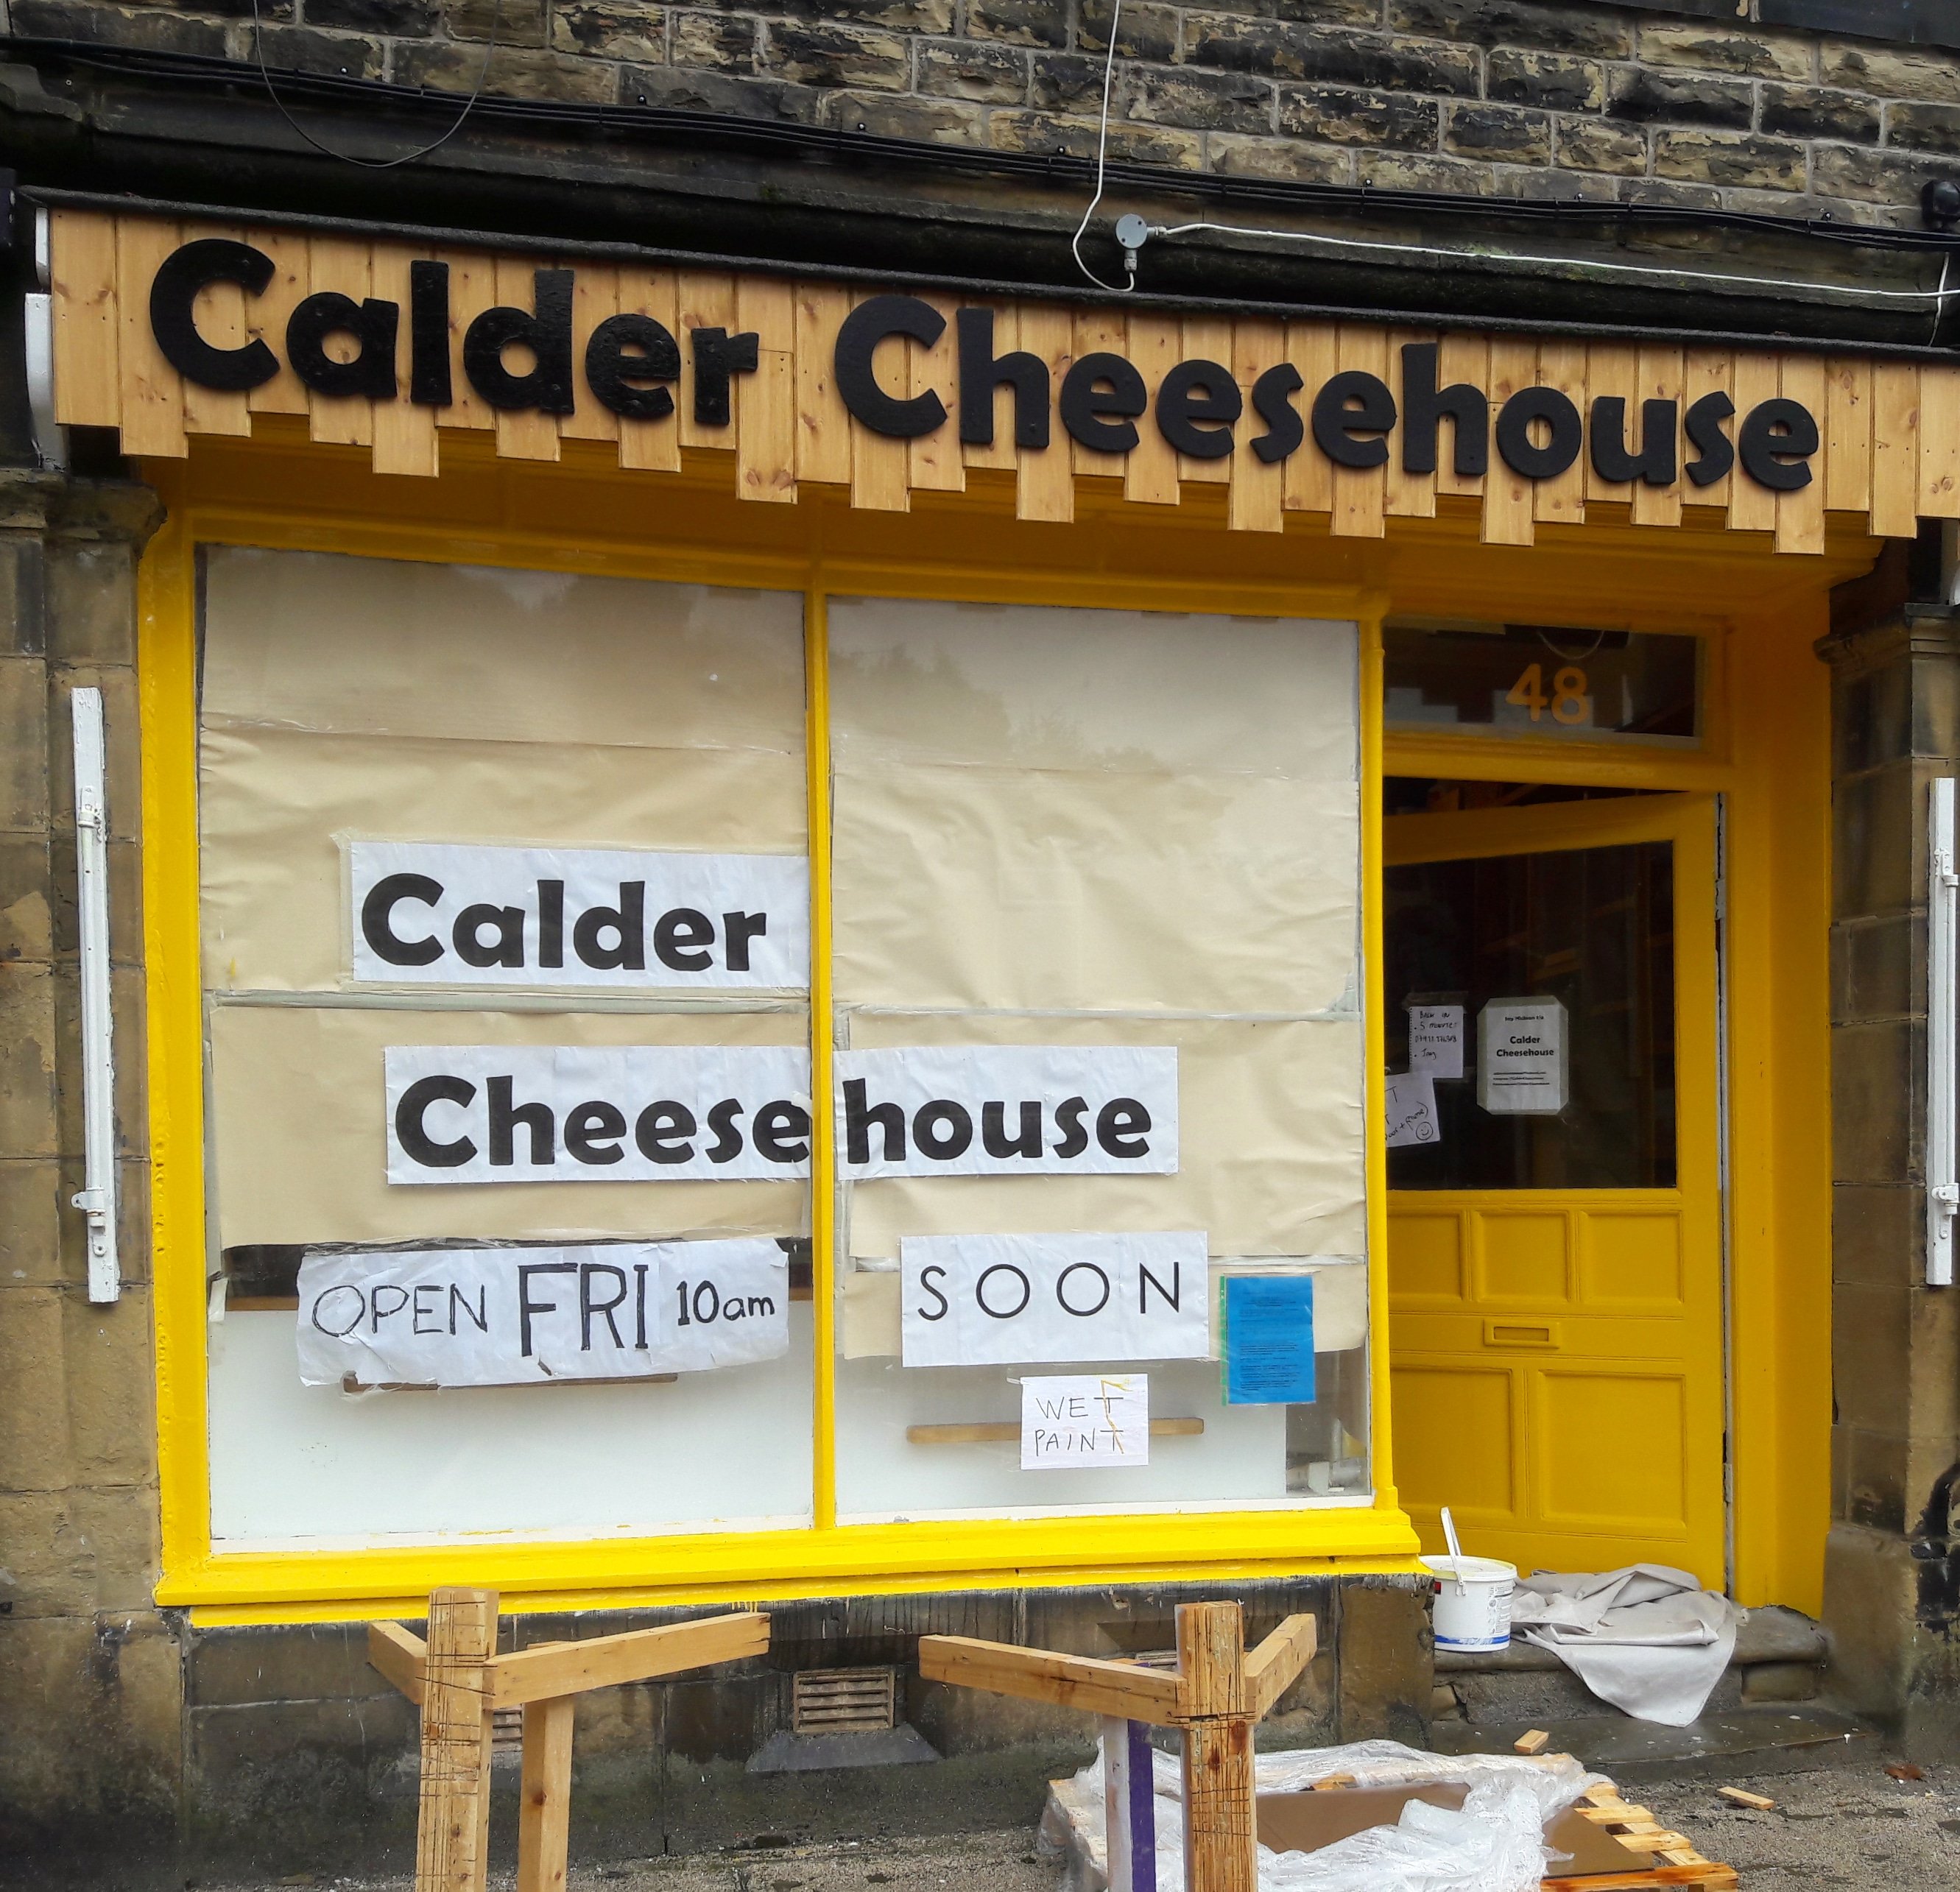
(90, 1690)
(1892, 1571)
(1540, 98)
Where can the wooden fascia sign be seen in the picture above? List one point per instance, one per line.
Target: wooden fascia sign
(166, 331)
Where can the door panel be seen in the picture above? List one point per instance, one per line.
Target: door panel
(1555, 1284)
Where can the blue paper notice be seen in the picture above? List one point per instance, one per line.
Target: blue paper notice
(1268, 1340)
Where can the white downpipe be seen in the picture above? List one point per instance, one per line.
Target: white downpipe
(1942, 924)
(98, 1199)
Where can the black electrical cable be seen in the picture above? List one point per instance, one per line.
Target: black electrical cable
(692, 130)
(382, 164)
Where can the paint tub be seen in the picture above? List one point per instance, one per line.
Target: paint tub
(1474, 1612)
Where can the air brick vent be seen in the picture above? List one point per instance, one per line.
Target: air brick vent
(844, 1701)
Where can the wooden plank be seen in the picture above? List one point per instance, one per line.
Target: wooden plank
(1360, 493)
(1207, 338)
(400, 1655)
(1706, 371)
(605, 1661)
(1465, 358)
(1507, 495)
(595, 298)
(522, 433)
(82, 279)
(544, 1804)
(1001, 1432)
(219, 313)
(472, 289)
(1751, 508)
(1149, 474)
(1275, 1665)
(765, 416)
(1042, 1675)
(1799, 516)
(1314, 347)
(151, 403)
(450, 1855)
(405, 438)
(1561, 501)
(1847, 435)
(933, 460)
(1715, 1878)
(272, 308)
(1098, 332)
(1409, 495)
(1220, 1852)
(1612, 369)
(823, 423)
(651, 446)
(1045, 477)
(340, 263)
(1256, 503)
(1938, 436)
(704, 299)
(1661, 378)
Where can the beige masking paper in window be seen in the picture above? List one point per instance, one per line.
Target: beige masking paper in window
(299, 1122)
(395, 701)
(1092, 809)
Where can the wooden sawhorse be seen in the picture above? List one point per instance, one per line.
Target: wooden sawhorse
(458, 1679)
(1216, 1695)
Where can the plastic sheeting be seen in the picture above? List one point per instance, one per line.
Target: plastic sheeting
(1495, 1843)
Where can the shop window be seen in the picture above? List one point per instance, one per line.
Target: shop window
(548, 757)
(1083, 855)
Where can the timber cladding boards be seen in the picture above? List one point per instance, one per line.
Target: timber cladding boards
(1790, 107)
(168, 331)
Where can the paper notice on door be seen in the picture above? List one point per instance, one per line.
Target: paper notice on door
(1070, 1421)
(1436, 1040)
(1411, 1105)
(1521, 1057)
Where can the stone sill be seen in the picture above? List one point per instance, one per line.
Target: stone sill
(1770, 1635)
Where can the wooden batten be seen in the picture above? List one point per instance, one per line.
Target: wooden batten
(1888, 432)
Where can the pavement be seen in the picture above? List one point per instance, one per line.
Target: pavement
(1845, 1825)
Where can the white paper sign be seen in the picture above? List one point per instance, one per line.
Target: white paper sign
(428, 913)
(506, 1317)
(1071, 1420)
(989, 1299)
(576, 1113)
(1411, 1108)
(1521, 1056)
(1436, 1040)
(1010, 1110)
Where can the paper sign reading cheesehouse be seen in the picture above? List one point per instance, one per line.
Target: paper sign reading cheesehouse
(441, 914)
(502, 1317)
(1521, 1056)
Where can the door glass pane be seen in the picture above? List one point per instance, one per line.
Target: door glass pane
(1574, 1094)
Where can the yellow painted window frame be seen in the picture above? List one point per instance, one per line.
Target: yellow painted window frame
(825, 1557)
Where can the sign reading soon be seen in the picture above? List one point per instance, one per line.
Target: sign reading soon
(504, 1316)
(447, 914)
(1000, 1300)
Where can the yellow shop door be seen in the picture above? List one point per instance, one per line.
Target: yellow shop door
(1555, 1218)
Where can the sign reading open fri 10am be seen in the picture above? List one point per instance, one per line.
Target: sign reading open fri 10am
(166, 331)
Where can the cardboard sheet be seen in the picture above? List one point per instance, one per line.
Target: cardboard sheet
(299, 1117)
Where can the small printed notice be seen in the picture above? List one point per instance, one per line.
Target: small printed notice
(1072, 1421)
(435, 913)
(994, 1299)
(509, 1317)
(1412, 1110)
(1521, 1057)
(1268, 1324)
(1436, 1040)
(1008, 1110)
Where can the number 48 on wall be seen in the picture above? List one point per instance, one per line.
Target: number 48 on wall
(1568, 701)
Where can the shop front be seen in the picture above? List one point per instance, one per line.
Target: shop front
(809, 939)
